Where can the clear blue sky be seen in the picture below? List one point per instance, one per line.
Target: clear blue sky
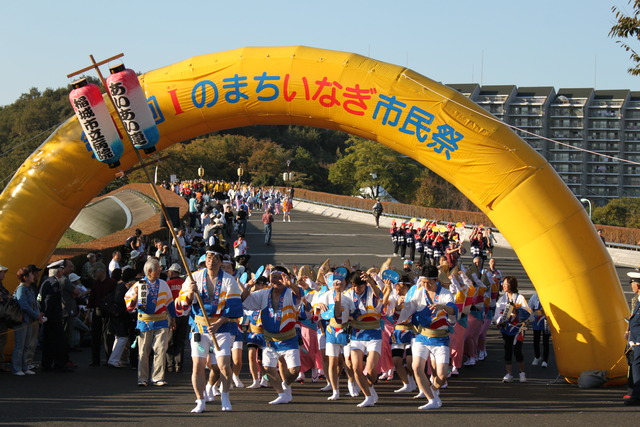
(560, 43)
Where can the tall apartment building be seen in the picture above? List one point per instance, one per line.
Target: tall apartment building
(601, 121)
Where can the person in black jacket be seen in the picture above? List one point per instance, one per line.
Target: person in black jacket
(377, 212)
(120, 323)
(54, 349)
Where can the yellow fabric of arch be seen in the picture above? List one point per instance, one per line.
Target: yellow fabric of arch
(434, 124)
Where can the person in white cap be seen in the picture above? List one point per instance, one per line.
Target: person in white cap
(632, 335)
(135, 261)
(54, 352)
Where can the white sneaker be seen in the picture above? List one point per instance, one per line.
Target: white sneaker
(536, 361)
(255, 384)
(19, 373)
(29, 372)
(200, 405)
(368, 401)
(454, 371)
(300, 378)
(282, 398)
(544, 364)
(470, 362)
(482, 355)
(507, 378)
(326, 388)
(406, 388)
(216, 390)
(314, 375)
(383, 376)
(419, 395)
(523, 377)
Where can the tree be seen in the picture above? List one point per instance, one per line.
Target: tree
(624, 212)
(368, 164)
(628, 27)
(436, 192)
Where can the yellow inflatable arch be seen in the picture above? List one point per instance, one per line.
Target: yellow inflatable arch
(434, 124)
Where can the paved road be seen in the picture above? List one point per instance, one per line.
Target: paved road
(476, 397)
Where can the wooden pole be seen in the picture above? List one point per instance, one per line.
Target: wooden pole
(142, 166)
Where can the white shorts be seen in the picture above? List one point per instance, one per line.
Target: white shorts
(238, 345)
(439, 353)
(322, 341)
(270, 357)
(334, 350)
(201, 349)
(367, 346)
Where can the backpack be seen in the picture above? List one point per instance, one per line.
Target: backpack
(11, 313)
(592, 379)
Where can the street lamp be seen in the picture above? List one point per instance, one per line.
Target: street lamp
(587, 201)
(288, 175)
(240, 173)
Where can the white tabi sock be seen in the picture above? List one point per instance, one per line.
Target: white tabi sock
(226, 402)
(200, 405)
(373, 394)
(208, 393)
(368, 401)
(282, 398)
(326, 388)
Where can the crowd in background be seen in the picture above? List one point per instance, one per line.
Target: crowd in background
(64, 310)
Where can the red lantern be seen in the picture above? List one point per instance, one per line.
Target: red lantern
(131, 103)
(96, 122)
